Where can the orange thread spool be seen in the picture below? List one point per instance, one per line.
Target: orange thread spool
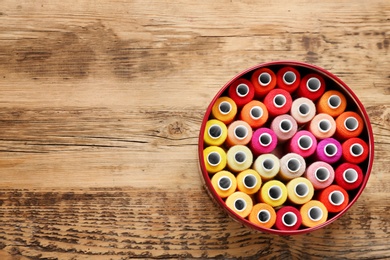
(263, 80)
(348, 125)
(255, 113)
(224, 109)
(263, 215)
(332, 102)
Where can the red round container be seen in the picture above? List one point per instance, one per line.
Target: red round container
(332, 83)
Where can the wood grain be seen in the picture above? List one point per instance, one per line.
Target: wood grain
(100, 113)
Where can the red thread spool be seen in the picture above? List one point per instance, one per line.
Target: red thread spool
(334, 198)
(288, 79)
(241, 91)
(349, 176)
(312, 86)
(255, 113)
(278, 102)
(263, 81)
(348, 124)
(355, 150)
(288, 218)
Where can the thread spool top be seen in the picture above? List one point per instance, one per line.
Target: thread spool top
(324, 125)
(275, 192)
(285, 125)
(330, 150)
(293, 165)
(322, 174)
(240, 132)
(289, 77)
(242, 90)
(301, 190)
(214, 158)
(315, 213)
(289, 219)
(264, 79)
(240, 157)
(265, 139)
(304, 109)
(268, 165)
(334, 101)
(215, 131)
(279, 100)
(240, 205)
(305, 142)
(351, 123)
(356, 150)
(350, 175)
(263, 216)
(336, 198)
(250, 181)
(225, 107)
(224, 183)
(313, 84)
(256, 112)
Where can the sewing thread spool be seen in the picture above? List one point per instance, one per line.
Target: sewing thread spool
(348, 125)
(288, 79)
(332, 102)
(278, 102)
(241, 91)
(292, 165)
(329, 150)
(239, 158)
(303, 143)
(264, 140)
(248, 181)
(285, 127)
(299, 190)
(320, 174)
(224, 109)
(255, 113)
(263, 80)
(313, 213)
(224, 183)
(267, 165)
(262, 215)
(303, 110)
(312, 86)
(214, 159)
(288, 218)
(349, 176)
(334, 198)
(238, 132)
(273, 192)
(240, 203)
(215, 132)
(322, 126)
(355, 150)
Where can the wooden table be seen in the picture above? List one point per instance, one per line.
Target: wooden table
(102, 101)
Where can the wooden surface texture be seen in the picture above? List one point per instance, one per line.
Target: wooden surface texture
(100, 108)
